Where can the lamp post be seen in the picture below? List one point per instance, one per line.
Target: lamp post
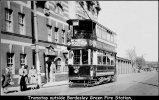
(35, 44)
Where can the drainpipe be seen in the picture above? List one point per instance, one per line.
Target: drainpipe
(37, 62)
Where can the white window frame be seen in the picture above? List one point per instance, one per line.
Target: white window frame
(49, 27)
(21, 18)
(9, 20)
(56, 37)
(63, 35)
(23, 59)
(11, 61)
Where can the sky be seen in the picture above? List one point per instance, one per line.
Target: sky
(136, 25)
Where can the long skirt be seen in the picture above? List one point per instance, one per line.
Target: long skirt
(5, 81)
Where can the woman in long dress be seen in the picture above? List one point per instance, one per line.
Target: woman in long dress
(33, 75)
(7, 78)
(52, 72)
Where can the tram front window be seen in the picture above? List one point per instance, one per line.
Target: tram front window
(84, 56)
(83, 31)
(76, 56)
(80, 56)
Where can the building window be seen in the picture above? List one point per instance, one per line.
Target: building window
(21, 23)
(49, 33)
(63, 36)
(22, 59)
(59, 8)
(10, 62)
(61, 11)
(58, 65)
(9, 20)
(56, 35)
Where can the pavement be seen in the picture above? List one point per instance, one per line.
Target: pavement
(49, 84)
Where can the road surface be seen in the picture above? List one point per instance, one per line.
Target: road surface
(145, 83)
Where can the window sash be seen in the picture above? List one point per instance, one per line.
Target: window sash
(50, 33)
(21, 29)
(8, 19)
(56, 37)
(8, 26)
(21, 19)
(22, 59)
(8, 16)
(10, 62)
(63, 37)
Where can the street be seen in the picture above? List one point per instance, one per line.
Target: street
(145, 83)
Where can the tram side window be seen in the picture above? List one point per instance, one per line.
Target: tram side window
(108, 61)
(99, 60)
(84, 57)
(104, 59)
(112, 62)
(76, 56)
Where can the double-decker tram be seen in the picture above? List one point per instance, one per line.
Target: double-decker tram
(92, 54)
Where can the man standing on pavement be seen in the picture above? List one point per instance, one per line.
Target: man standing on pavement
(23, 78)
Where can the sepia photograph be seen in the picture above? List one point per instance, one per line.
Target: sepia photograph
(79, 48)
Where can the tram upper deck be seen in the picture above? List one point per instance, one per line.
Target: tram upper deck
(89, 33)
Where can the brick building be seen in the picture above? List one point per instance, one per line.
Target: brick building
(18, 37)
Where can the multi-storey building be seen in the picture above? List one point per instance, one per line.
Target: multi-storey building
(84, 10)
(18, 38)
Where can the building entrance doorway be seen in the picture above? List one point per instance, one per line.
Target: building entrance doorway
(50, 69)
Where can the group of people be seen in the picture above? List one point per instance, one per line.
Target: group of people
(7, 78)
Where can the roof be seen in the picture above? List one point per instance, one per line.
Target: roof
(122, 59)
(68, 21)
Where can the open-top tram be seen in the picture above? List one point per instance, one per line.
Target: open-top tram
(92, 55)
